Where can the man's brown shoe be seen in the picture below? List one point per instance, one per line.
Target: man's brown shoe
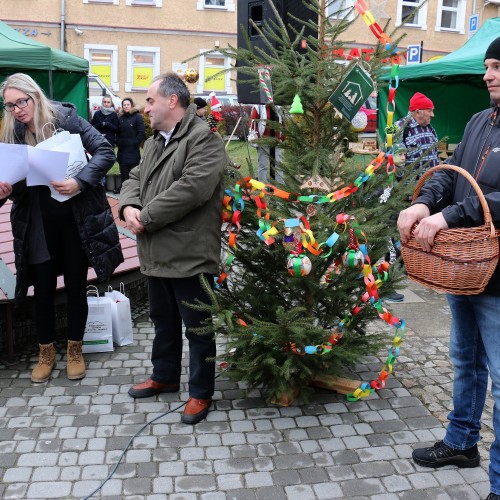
(195, 410)
(150, 388)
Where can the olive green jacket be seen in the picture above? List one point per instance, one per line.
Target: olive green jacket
(179, 191)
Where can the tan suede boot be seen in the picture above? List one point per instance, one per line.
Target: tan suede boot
(76, 364)
(46, 363)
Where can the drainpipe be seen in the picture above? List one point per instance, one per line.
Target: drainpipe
(63, 24)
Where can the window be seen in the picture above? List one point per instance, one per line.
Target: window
(147, 3)
(112, 2)
(143, 64)
(412, 13)
(451, 15)
(227, 5)
(339, 9)
(103, 61)
(210, 65)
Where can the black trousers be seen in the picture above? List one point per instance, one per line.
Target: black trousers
(67, 258)
(125, 171)
(168, 310)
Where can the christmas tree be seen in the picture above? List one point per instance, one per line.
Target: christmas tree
(304, 259)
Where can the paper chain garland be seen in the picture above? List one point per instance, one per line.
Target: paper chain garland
(234, 204)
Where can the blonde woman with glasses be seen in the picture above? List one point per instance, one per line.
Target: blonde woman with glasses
(51, 237)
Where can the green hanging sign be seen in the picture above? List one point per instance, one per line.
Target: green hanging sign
(352, 92)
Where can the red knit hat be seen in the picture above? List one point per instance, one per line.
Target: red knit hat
(420, 101)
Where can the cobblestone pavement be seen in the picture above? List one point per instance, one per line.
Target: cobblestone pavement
(61, 439)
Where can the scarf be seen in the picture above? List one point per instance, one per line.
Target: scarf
(107, 111)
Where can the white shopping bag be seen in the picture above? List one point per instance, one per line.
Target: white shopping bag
(66, 143)
(98, 336)
(122, 316)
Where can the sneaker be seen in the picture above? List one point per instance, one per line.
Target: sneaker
(395, 297)
(440, 455)
(493, 496)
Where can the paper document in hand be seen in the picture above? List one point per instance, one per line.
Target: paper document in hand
(46, 166)
(13, 162)
(71, 144)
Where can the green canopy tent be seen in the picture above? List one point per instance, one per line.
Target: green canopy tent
(454, 83)
(62, 76)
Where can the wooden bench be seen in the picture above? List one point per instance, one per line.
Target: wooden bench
(127, 272)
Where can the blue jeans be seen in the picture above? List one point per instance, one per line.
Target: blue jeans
(475, 351)
(168, 299)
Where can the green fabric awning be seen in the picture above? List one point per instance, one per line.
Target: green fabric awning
(62, 76)
(454, 83)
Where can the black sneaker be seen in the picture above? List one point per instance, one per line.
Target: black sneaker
(440, 455)
(395, 297)
(493, 496)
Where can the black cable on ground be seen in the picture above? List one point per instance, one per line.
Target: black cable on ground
(110, 475)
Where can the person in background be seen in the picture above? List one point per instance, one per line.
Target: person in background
(172, 203)
(129, 138)
(448, 201)
(260, 117)
(419, 137)
(105, 120)
(201, 106)
(418, 147)
(52, 237)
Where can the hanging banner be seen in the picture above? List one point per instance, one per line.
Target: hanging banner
(103, 71)
(216, 84)
(143, 77)
(179, 68)
(352, 92)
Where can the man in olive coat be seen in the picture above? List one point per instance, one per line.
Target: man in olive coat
(172, 202)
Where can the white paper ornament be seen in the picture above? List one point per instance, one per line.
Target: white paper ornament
(359, 122)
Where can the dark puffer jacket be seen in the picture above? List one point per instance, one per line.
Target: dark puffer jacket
(107, 125)
(90, 207)
(129, 137)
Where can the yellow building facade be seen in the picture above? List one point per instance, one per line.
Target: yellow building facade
(128, 42)
(438, 26)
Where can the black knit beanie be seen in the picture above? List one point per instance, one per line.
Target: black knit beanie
(493, 51)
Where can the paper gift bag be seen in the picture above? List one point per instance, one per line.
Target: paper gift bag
(122, 316)
(98, 336)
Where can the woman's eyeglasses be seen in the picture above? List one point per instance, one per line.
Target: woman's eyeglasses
(20, 103)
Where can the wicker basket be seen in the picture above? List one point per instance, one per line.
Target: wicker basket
(462, 260)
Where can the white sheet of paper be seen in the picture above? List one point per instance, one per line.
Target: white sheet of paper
(13, 162)
(46, 166)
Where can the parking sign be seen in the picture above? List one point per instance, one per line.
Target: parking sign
(473, 24)
(413, 54)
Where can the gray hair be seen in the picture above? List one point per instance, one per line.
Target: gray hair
(170, 84)
(45, 111)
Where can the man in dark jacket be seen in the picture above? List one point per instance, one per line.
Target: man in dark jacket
(172, 201)
(448, 201)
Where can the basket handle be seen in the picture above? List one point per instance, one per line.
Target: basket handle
(475, 185)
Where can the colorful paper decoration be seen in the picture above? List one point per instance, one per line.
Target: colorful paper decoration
(299, 265)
